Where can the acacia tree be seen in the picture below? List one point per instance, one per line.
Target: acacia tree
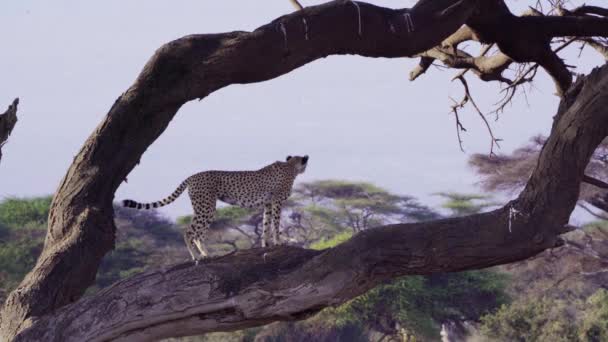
(509, 172)
(465, 204)
(258, 286)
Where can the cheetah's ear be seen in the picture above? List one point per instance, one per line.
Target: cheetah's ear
(288, 157)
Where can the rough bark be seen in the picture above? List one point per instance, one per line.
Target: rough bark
(259, 286)
(8, 120)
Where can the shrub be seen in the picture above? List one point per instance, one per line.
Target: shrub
(18, 212)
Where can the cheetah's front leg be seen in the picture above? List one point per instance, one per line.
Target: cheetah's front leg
(266, 224)
(276, 223)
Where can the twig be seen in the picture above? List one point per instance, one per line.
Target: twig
(596, 215)
(494, 141)
(595, 181)
(459, 126)
(522, 78)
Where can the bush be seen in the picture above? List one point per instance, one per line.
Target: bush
(419, 305)
(329, 243)
(594, 326)
(18, 256)
(535, 320)
(18, 212)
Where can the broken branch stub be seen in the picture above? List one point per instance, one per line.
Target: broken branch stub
(8, 120)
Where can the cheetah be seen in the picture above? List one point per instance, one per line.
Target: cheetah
(265, 188)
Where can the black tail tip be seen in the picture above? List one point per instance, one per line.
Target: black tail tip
(129, 203)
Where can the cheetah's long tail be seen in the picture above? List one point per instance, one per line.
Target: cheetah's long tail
(132, 204)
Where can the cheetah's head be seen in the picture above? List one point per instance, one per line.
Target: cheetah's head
(299, 163)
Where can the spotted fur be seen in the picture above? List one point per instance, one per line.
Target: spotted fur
(265, 188)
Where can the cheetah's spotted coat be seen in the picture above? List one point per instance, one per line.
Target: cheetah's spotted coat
(267, 187)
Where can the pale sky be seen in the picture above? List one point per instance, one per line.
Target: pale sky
(358, 118)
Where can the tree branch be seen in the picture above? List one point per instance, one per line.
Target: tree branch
(521, 39)
(591, 10)
(8, 120)
(592, 213)
(600, 202)
(595, 181)
(527, 38)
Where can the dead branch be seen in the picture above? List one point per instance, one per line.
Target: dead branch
(8, 120)
(595, 181)
(592, 213)
(468, 98)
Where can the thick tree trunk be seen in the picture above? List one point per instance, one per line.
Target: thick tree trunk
(8, 120)
(259, 286)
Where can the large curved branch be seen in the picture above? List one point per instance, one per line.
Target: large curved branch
(259, 286)
(81, 228)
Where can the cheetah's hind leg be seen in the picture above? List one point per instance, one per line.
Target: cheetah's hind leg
(189, 239)
(199, 229)
(202, 250)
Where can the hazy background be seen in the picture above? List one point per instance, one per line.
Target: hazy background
(358, 118)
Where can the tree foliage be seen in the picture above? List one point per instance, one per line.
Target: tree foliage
(544, 320)
(323, 209)
(594, 325)
(417, 306)
(509, 173)
(547, 319)
(465, 204)
(22, 230)
(146, 240)
(19, 212)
